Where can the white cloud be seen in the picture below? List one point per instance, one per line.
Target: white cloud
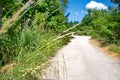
(96, 5)
(76, 13)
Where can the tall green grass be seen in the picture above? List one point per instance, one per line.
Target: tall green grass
(28, 48)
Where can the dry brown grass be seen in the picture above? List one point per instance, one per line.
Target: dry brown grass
(7, 67)
(105, 49)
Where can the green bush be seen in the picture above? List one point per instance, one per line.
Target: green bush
(32, 48)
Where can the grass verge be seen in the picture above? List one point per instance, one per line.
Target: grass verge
(29, 52)
(115, 49)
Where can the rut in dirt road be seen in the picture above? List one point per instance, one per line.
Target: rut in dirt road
(80, 60)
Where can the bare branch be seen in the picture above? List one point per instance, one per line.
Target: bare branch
(71, 28)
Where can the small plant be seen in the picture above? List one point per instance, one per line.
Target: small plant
(115, 48)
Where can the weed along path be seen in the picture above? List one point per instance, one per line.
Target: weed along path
(80, 60)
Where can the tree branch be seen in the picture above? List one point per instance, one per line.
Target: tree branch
(15, 16)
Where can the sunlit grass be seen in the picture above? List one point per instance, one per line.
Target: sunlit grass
(115, 48)
(33, 49)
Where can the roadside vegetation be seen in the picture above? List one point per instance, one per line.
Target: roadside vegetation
(29, 36)
(103, 25)
(31, 33)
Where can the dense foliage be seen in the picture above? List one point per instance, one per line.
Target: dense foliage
(30, 39)
(105, 25)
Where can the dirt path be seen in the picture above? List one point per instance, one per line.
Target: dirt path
(80, 60)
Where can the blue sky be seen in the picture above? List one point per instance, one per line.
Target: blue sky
(77, 8)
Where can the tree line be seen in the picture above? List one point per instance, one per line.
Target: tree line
(103, 25)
